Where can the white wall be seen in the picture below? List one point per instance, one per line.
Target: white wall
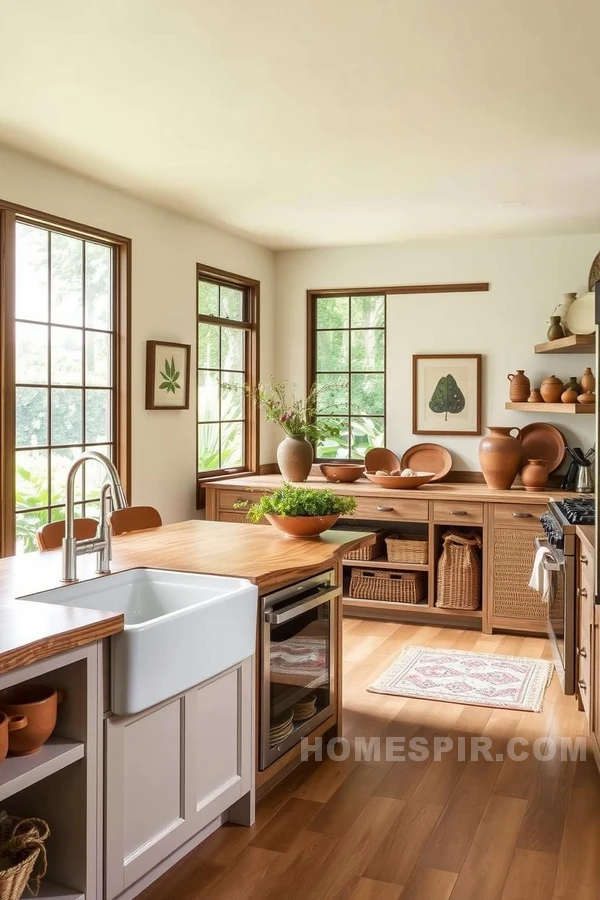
(165, 251)
(527, 279)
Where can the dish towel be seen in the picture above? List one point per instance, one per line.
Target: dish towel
(540, 577)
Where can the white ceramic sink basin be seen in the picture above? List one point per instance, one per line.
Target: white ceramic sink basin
(180, 629)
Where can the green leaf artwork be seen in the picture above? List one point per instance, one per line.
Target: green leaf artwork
(170, 377)
(447, 397)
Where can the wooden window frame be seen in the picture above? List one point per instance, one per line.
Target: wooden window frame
(251, 326)
(10, 213)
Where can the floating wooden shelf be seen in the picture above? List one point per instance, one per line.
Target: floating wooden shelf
(20, 772)
(563, 409)
(384, 563)
(575, 343)
(49, 891)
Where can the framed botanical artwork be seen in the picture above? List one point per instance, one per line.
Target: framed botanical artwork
(447, 394)
(167, 375)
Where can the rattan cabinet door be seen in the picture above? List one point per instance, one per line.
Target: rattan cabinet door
(514, 605)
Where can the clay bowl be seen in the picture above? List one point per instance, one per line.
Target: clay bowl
(381, 458)
(39, 704)
(302, 526)
(400, 482)
(344, 473)
(7, 725)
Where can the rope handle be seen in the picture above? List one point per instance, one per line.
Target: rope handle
(472, 540)
(29, 834)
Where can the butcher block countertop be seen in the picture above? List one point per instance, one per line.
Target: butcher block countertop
(432, 491)
(31, 631)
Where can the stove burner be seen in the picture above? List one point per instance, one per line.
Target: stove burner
(581, 511)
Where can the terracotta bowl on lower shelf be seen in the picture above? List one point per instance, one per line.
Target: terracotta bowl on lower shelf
(401, 482)
(303, 526)
(39, 704)
(343, 474)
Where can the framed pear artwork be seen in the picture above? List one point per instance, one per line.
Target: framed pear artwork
(167, 375)
(447, 394)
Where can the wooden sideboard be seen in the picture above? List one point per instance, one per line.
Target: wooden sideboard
(507, 521)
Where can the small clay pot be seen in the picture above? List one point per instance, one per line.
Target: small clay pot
(569, 396)
(520, 387)
(588, 382)
(39, 703)
(588, 397)
(551, 389)
(534, 474)
(555, 331)
(303, 526)
(7, 725)
(535, 396)
(573, 385)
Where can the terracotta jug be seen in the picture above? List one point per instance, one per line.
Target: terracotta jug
(500, 457)
(551, 389)
(535, 474)
(588, 382)
(519, 387)
(535, 396)
(569, 396)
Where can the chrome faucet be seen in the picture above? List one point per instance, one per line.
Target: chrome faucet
(112, 490)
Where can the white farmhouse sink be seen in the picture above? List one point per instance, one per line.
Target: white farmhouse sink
(180, 629)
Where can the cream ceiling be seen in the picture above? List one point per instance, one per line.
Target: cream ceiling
(318, 122)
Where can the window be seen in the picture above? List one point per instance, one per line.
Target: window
(347, 361)
(68, 371)
(227, 360)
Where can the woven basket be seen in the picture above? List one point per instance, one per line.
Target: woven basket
(407, 550)
(22, 843)
(372, 552)
(459, 572)
(395, 587)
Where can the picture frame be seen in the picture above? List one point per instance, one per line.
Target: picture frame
(167, 375)
(446, 396)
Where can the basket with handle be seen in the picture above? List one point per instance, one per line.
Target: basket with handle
(459, 572)
(21, 847)
(382, 584)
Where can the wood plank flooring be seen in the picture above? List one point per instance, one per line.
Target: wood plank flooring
(415, 830)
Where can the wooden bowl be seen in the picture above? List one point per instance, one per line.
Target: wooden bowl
(39, 704)
(303, 526)
(345, 473)
(400, 482)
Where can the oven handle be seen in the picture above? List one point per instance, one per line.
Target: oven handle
(301, 606)
(549, 567)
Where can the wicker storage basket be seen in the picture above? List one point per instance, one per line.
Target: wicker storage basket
(407, 550)
(22, 843)
(381, 584)
(371, 552)
(459, 572)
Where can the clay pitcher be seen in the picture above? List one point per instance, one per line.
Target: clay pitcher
(295, 458)
(500, 457)
(535, 474)
(520, 387)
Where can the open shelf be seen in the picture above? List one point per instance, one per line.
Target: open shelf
(49, 891)
(577, 409)
(20, 772)
(383, 563)
(384, 604)
(575, 343)
(469, 613)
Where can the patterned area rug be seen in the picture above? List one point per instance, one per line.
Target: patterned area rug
(479, 679)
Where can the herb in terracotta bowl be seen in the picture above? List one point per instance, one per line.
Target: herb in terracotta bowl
(300, 511)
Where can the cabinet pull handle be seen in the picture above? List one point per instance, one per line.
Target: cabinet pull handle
(384, 508)
(582, 684)
(583, 652)
(458, 512)
(583, 592)
(522, 515)
(583, 559)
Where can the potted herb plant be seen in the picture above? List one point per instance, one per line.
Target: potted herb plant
(300, 511)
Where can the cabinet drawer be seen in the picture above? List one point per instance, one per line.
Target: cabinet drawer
(228, 499)
(518, 515)
(392, 508)
(451, 511)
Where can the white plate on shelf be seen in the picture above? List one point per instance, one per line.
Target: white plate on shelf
(581, 315)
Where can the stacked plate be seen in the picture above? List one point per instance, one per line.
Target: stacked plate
(305, 709)
(281, 727)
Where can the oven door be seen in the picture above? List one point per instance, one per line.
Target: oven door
(561, 612)
(298, 651)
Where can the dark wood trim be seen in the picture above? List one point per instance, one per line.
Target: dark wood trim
(67, 226)
(122, 369)
(419, 356)
(7, 378)
(151, 372)
(467, 287)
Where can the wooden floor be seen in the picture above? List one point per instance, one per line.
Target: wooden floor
(444, 830)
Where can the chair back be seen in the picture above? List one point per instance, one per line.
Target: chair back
(134, 518)
(49, 537)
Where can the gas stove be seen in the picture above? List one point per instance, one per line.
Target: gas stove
(577, 511)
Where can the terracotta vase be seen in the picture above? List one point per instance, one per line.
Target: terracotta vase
(295, 458)
(588, 397)
(569, 396)
(535, 396)
(535, 474)
(7, 725)
(500, 457)
(555, 331)
(551, 389)
(303, 526)
(588, 382)
(562, 309)
(520, 387)
(39, 704)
